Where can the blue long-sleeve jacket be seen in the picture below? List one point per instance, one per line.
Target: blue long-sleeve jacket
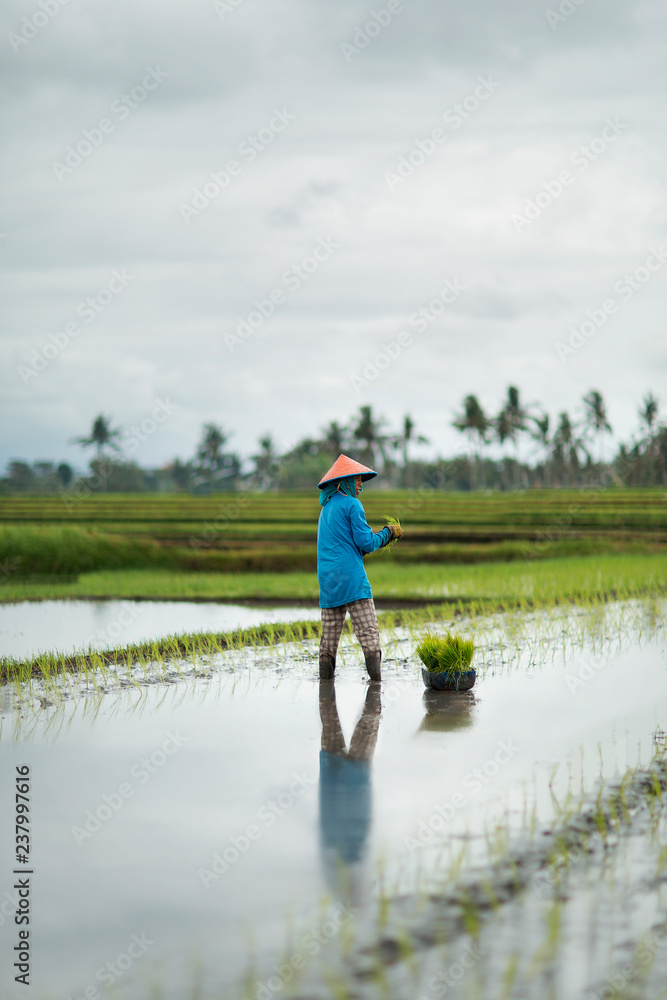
(344, 537)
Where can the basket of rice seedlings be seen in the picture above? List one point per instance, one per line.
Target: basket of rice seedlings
(447, 662)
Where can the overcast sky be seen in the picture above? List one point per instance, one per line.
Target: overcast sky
(402, 141)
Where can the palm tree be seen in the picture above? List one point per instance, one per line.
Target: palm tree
(403, 441)
(369, 430)
(502, 428)
(540, 433)
(265, 463)
(595, 417)
(209, 452)
(101, 436)
(511, 422)
(210, 461)
(335, 438)
(648, 412)
(517, 416)
(566, 448)
(475, 423)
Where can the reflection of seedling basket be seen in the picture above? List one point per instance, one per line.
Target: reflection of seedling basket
(447, 662)
(447, 712)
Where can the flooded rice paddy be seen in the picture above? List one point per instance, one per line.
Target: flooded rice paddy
(237, 829)
(28, 628)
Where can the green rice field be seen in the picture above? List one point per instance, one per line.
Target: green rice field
(247, 532)
(557, 814)
(485, 584)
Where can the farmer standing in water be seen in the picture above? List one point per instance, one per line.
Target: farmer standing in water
(344, 537)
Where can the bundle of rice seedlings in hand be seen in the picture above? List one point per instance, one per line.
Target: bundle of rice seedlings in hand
(448, 654)
(394, 521)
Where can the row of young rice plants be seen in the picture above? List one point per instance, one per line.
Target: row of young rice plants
(160, 655)
(585, 590)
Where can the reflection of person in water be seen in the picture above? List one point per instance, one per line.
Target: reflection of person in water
(345, 789)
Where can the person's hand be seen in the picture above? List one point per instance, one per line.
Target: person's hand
(396, 531)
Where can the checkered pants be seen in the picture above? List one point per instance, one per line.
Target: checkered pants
(364, 623)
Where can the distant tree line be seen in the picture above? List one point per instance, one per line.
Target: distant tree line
(517, 447)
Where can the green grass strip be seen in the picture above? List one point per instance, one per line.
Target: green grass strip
(547, 580)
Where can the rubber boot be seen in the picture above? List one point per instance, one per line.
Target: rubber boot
(327, 666)
(373, 661)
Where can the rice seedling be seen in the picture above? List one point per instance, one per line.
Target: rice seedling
(457, 862)
(504, 974)
(661, 862)
(490, 893)
(338, 987)
(656, 787)
(383, 898)
(394, 522)
(470, 915)
(152, 653)
(510, 975)
(407, 951)
(445, 654)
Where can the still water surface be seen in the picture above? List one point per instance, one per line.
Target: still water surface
(30, 627)
(213, 818)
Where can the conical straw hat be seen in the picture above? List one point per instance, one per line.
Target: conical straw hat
(344, 466)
